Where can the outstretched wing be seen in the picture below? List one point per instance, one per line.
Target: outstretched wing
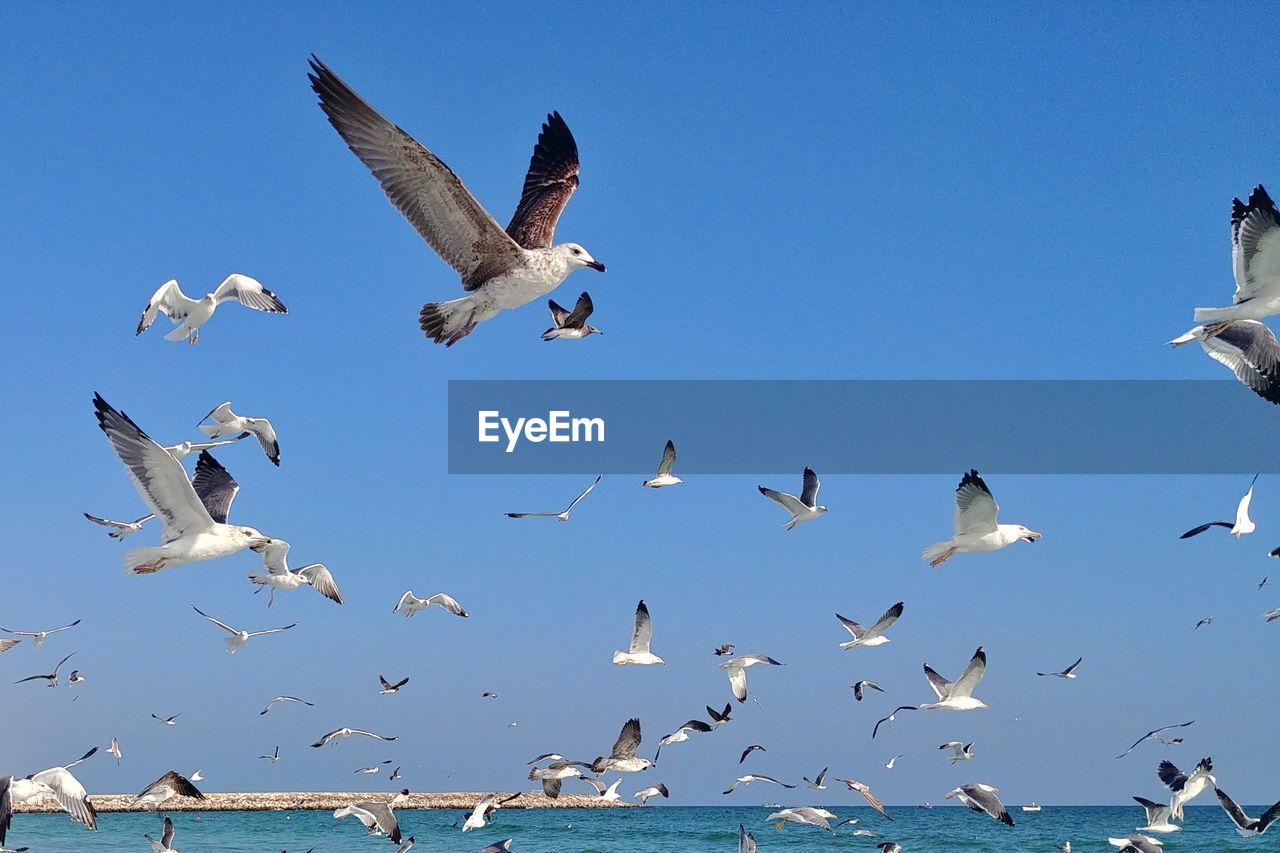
(976, 508)
(581, 311)
(215, 486)
(628, 740)
(550, 181)
(809, 495)
(168, 300)
(668, 456)
(1255, 245)
(642, 635)
(250, 293)
(972, 674)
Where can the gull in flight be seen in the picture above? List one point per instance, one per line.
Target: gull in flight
(1245, 825)
(1137, 844)
(719, 718)
(1247, 347)
(1275, 552)
(963, 751)
(52, 678)
(802, 815)
(1208, 620)
(1154, 734)
(410, 604)
(562, 516)
(664, 477)
(891, 718)
(227, 422)
(165, 844)
(388, 688)
(957, 696)
(499, 269)
(641, 636)
(755, 777)
(865, 790)
(184, 449)
(198, 776)
(7, 644)
(484, 810)
(167, 721)
(344, 733)
(570, 324)
(38, 637)
(1243, 523)
(275, 556)
(873, 636)
(889, 764)
(1157, 817)
(274, 757)
(1255, 261)
(378, 818)
(114, 750)
(377, 768)
(188, 314)
(1185, 788)
(622, 759)
(975, 524)
(803, 508)
(75, 678)
(61, 785)
(658, 790)
(982, 798)
(860, 686)
(168, 786)
(238, 638)
(1069, 672)
(195, 529)
(120, 529)
(737, 672)
(726, 649)
(818, 784)
(681, 735)
(750, 750)
(608, 794)
(1272, 615)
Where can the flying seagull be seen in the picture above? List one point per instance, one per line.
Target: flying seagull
(378, 818)
(167, 721)
(570, 324)
(1243, 523)
(168, 786)
(803, 815)
(114, 750)
(165, 844)
(562, 516)
(488, 694)
(389, 688)
(275, 557)
(1154, 734)
(737, 672)
(719, 718)
(274, 757)
(1255, 261)
(664, 477)
(198, 776)
(51, 680)
(227, 422)
(982, 798)
(7, 644)
(681, 735)
(891, 717)
(374, 769)
(484, 810)
(1157, 816)
(1247, 347)
(183, 449)
(622, 758)
(889, 847)
(860, 686)
(1275, 552)
(658, 790)
(120, 529)
(865, 790)
(1272, 615)
(188, 314)
(819, 783)
(873, 636)
(1208, 620)
(1069, 672)
(1137, 844)
(237, 637)
(957, 696)
(1185, 788)
(638, 653)
(344, 733)
(750, 750)
(963, 751)
(975, 524)
(61, 785)
(75, 678)
(1245, 825)
(803, 508)
(605, 793)
(889, 764)
(193, 532)
(755, 777)
(38, 637)
(410, 604)
(726, 649)
(499, 269)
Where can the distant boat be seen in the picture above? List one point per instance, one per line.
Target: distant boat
(926, 805)
(1034, 807)
(771, 806)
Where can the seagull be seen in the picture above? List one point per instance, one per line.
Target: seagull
(889, 764)
(188, 314)
(197, 776)
(1272, 615)
(395, 774)
(165, 844)
(746, 841)
(737, 672)
(644, 794)
(622, 759)
(553, 756)
(192, 531)
(860, 686)
(608, 794)
(273, 757)
(957, 696)
(719, 718)
(1185, 788)
(803, 508)
(38, 637)
(873, 636)
(389, 688)
(963, 751)
(184, 449)
(1153, 735)
(891, 717)
(227, 422)
(410, 604)
(681, 735)
(488, 694)
(802, 815)
(499, 269)
(168, 786)
(51, 678)
(168, 721)
(280, 699)
(982, 798)
(641, 636)
(750, 750)
(61, 785)
(726, 649)
(1243, 523)
(865, 790)
(344, 733)
(75, 678)
(1255, 261)
(1208, 620)
(279, 576)
(374, 769)
(975, 524)
(1274, 552)
(562, 516)
(1248, 348)
(120, 529)
(238, 638)
(1245, 825)
(7, 644)
(889, 847)
(570, 324)
(818, 784)
(114, 750)
(1069, 672)
(1157, 817)
(503, 846)
(755, 777)
(484, 810)
(1137, 844)
(664, 477)
(378, 818)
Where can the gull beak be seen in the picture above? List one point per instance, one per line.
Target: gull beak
(258, 544)
(1031, 536)
(597, 266)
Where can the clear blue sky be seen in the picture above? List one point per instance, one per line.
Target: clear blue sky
(778, 192)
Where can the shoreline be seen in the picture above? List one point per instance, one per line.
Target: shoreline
(328, 800)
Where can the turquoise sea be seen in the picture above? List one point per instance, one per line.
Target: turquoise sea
(659, 829)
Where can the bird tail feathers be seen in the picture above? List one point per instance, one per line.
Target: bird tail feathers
(938, 553)
(144, 561)
(449, 322)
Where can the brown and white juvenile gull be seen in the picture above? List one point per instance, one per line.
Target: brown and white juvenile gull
(236, 637)
(803, 508)
(982, 798)
(622, 758)
(1255, 261)
(873, 636)
(188, 314)
(275, 557)
(563, 515)
(168, 786)
(571, 325)
(641, 636)
(736, 669)
(227, 422)
(975, 525)
(553, 775)
(499, 269)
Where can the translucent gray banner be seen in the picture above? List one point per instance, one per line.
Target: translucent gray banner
(862, 427)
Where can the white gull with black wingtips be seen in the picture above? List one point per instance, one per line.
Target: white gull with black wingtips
(664, 477)
(563, 515)
(1185, 788)
(975, 526)
(227, 422)
(982, 798)
(410, 604)
(1245, 825)
(237, 637)
(188, 314)
(873, 636)
(1247, 347)
(1243, 524)
(957, 696)
(1255, 261)
(736, 669)
(803, 508)
(346, 732)
(275, 556)
(641, 636)
(38, 637)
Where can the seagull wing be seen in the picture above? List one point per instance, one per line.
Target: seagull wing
(408, 597)
(166, 837)
(275, 556)
(1255, 246)
(448, 603)
(628, 740)
(642, 635)
(1173, 778)
(250, 293)
(530, 514)
(983, 798)
(168, 300)
(809, 494)
(852, 627)
(1242, 509)
(890, 717)
(321, 580)
(1249, 349)
(1073, 666)
(882, 624)
(737, 681)
(585, 492)
(6, 806)
(1237, 815)
(940, 685)
(581, 311)
(419, 184)
(668, 457)
(266, 435)
(972, 675)
(71, 795)
(976, 509)
(266, 631)
(215, 487)
(223, 625)
(550, 181)
(790, 503)
(558, 313)
(873, 801)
